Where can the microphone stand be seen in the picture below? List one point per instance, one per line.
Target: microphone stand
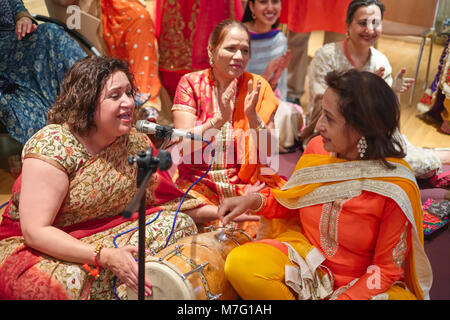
(147, 165)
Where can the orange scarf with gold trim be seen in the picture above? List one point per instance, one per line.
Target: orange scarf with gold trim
(250, 172)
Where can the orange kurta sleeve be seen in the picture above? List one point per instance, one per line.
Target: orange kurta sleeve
(392, 246)
(272, 209)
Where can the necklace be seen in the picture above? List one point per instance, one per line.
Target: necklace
(347, 54)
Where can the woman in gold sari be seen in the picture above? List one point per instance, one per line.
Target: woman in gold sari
(63, 235)
(234, 107)
(348, 223)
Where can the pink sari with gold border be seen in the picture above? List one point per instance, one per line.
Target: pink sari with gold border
(232, 171)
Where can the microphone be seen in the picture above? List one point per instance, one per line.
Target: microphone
(161, 131)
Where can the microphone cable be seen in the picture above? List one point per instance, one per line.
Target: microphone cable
(185, 194)
(1, 206)
(175, 217)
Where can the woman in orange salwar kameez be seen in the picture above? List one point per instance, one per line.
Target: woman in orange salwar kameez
(348, 223)
(220, 102)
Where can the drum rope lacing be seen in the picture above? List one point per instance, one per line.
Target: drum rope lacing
(195, 268)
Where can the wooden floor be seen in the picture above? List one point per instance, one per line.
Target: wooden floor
(400, 53)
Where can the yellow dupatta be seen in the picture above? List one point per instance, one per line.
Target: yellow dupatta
(250, 172)
(318, 178)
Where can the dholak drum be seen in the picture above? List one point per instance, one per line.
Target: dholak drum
(193, 268)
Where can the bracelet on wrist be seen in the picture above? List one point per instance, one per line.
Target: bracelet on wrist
(212, 123)
(94, 272)
(261, 203)
(261, 126)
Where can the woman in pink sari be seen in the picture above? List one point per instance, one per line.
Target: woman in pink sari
(182, 29)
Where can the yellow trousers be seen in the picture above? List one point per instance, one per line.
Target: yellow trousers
(256, 272)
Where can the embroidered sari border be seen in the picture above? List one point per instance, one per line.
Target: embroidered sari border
(181, 107)
(46, 159)
(346, 171)
(350, 189)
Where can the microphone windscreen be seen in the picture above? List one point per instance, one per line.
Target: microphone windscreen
(140, 125)
(165, 160)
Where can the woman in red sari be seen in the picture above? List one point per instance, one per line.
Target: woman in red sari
(228, 104)
(60, 234)
(348, 224)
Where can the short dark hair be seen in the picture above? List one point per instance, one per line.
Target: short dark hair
(356, 4)
(80, 91)
(248, 15)
(370, 106)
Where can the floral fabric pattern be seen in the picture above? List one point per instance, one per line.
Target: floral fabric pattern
(36, 64)
(100, 187)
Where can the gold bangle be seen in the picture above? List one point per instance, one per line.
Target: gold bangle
(262, 202)
(261, 126)
(97, 250)
(212, 123)
(94, 272)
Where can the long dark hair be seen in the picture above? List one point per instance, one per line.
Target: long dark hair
(356, 4)
(80, 91)
(370, 106)
(248, 15)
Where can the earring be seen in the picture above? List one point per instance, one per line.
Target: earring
(362, 146)
(253, 16)
(211, 61)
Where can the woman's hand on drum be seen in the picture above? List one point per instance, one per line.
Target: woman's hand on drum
(235, 208)
(121, 262)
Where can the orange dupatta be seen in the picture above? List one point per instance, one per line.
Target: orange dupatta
(266, 107)
(294, 194)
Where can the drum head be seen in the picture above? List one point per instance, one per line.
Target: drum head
(167, 282)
